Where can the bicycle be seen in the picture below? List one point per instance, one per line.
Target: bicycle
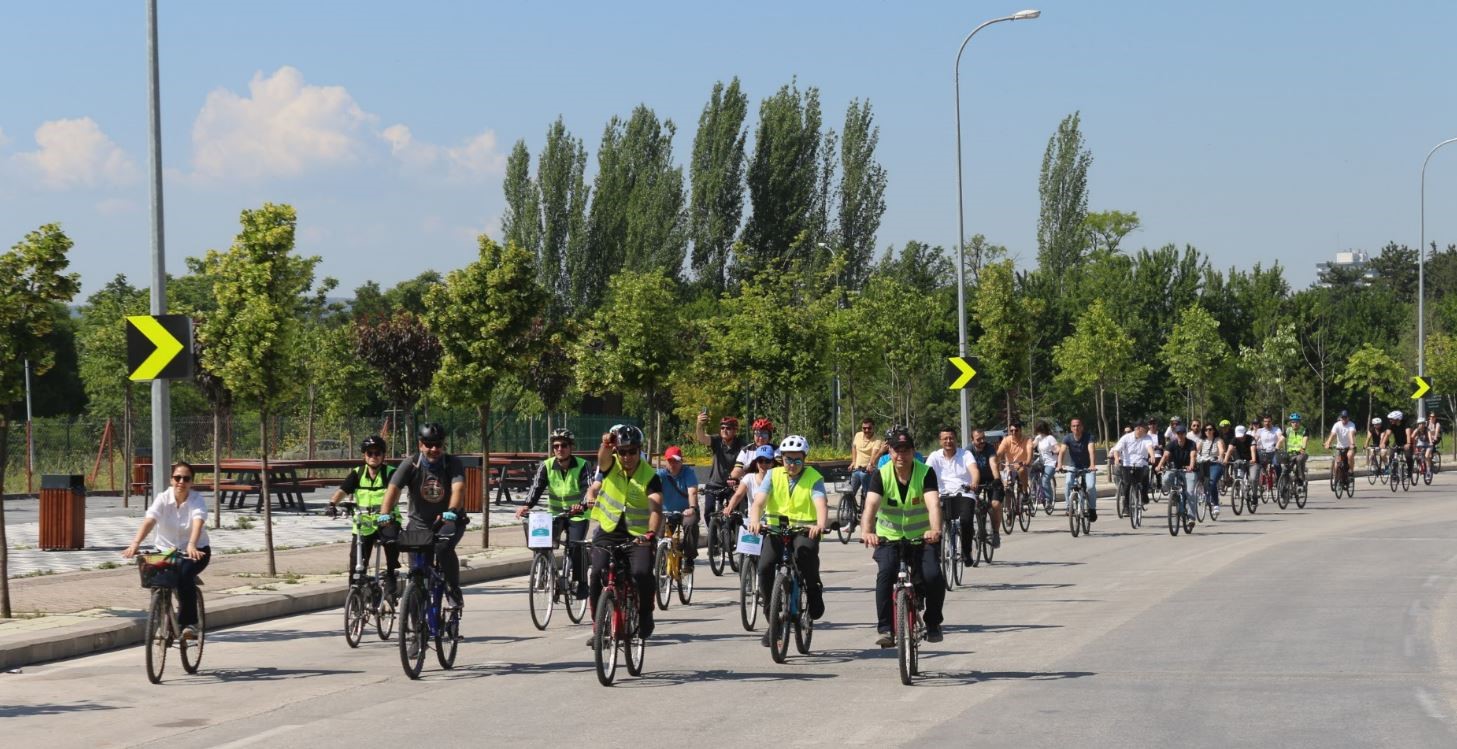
(1375, 465)
(1179, 516)
(1239, 485)
(1397, 474)
(721, 535)
(1299, 482)
(1128, 505)
(670, 567)
(158, 572)
(615, 623)
(423, 613)
(789, 598)
(952, 566)
(749, 599)
(1014, 509)
(553, 579)
(1077, 502)
(1341, 478)
(981, 547)
(907, 625)
(1045, 495)
(371, 596)
(847, 515)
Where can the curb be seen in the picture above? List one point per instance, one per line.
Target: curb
(94, 637)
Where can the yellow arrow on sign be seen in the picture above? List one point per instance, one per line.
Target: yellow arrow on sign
(167, 347)
(966, 372)
(1422, 388)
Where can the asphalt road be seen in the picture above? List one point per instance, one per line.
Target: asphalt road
(1330, 626)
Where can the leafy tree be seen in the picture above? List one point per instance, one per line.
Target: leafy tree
(409, 296)
(35, 281)
(404, 355)
(1441, 362)
(483, 316)
(782, 180)
(1395, 269)
(254, 336)
(918, 264)
(716, 201)
(563, 192)
(102, 344)
(521, 221)
(1062, 228)
(1313, 309)
(862, 193)
(1372, 371)
(1193, 352)
(1108, 228)
(1098, 357)
(1269, 369)
(369, 303)
(220, 399)
(549, 373)
(1007, 320)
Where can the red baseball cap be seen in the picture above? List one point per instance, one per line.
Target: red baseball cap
(673, 453)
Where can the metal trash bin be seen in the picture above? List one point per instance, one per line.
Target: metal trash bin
(62, 512)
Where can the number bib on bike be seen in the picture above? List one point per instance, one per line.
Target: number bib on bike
(903, 517)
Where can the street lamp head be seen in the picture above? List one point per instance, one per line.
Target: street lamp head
(1026, 15)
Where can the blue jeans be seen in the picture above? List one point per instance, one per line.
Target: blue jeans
(1216, 472)
(1048, 471)
(1090, 481)
(858, 485)
(1188, 487)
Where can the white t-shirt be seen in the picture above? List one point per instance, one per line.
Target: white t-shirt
(1267, 438)
(1344, 435)
(746, 456)
(1133, 451)
(174, 523)
(1046, 447)
(953, 474)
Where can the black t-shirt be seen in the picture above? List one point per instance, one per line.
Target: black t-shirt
(1398, 435)
(983, 456)
(1242, 446)
(723, 455)
(1077, 450)
(878, 487)
(1178, 453)
(429, 486)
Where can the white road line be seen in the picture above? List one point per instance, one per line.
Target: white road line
(254, 739)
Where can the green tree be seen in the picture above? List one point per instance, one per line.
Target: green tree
(1441, 362)
(782, 177)
(1007, 320)
(861, 194)
(1108, 228)
(254, 336)
(716, 201)
(1372, 371)
(1269, 369)
(521, 221)
(563, 189)
(409, 295)
(404, 355)
(1395, 269)
(483, 316)
(1099, 357)
(1062, 229)
(369, 303)
(35, 281)
(102, 345)
(1193, 353)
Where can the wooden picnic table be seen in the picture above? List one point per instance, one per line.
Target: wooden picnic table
(244, 477)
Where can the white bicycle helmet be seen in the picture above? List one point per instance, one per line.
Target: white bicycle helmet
(1394, 416)
(794, 444)
(1375, 421)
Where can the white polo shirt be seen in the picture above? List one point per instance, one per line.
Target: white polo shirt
(1133, 451)
(174, 522)
(953, 474)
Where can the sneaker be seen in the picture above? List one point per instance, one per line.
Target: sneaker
(933, 634)
(687, 565)
(1214, 512)
(966, 557)
(765, 639)
(884, 640)
(454, 599)
(996, 540)
(817, 603)
(189, 633)
(1092, 516)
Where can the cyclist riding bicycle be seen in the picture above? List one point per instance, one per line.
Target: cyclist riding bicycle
(1376, 436)
(795, 493)
(988, 485)
(629, 509)
(1045, 446)
(1268, 441)
(564, 478)
(179, 514)
(1400, 440)
(884, 458)
(1343, 434)
(763, 435)
(1077, 451)
(1434, 434)
(1210, 455)
(763, 461)
(723, 448)
(368, 484)
(1295, 443)
(1015, 453)
(864, 450)
(1179, 453)
(956, 474)
(1132, 456)
(903, 504)
(680, 494)
(437, 496)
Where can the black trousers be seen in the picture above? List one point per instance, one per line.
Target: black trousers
(391, 554)
(640, 566)
(187, 573)
(963, 507)
(930, 583)
(806, 553)
(445, 550)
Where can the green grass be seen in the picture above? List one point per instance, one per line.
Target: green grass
(107, 566)
(38, 573)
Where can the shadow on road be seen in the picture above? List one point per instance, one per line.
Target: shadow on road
(24, 711)
(269, 674)
(1017, 586)
(652, 679)
(1039, 564)
(934, 679)
(270, 635)
(994, 628)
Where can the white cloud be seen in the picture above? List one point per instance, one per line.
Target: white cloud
(75, 153)
(116, 207)
(282, 128)
(3, 140)
(285, 127)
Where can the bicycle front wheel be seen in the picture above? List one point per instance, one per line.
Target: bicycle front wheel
(748, 595)
(192, 650)
(542, 587)
(663, 577)
(905, 624)
(159, 634)
(845, 518)
(1009, 511)
(1173, 512)
(948, 553)
(685, 583)
(604, 638)
(716, 553)
(633, 642)
(1074, 510)
(414, 630)
(447, 637)
(355, 615)
(384, 617)
(804, 627)
(1135, 510)
(779, 620)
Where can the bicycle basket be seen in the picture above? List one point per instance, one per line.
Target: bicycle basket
(159, 570)
(416, 540)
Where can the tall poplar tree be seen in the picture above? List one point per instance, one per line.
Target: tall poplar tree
(716, 202)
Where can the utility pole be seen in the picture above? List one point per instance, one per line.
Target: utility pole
(161, 391)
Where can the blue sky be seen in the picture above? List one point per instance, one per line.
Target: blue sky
(1255, 131)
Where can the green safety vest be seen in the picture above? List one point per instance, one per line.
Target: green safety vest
(797, 504)
(564, 488)
(625, 497)
(369, 496)
(903, 517)
(1295, 441)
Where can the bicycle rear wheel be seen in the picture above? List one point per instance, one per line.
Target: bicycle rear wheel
(633, 642)
(904, 633)
(447, 637)
(541, 587)
(845, 517)
(159, 634)
(749, 595)
(778, 619)
(384, 616)
(664, 577)
(192, 650)
(685, 583)
(414, 630)
(1173, 512)
(604, 638)
(716, 551)
(804, 627)
(576, 605)
(355, 616)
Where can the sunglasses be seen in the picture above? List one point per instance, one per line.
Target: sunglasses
(758, 433)
(633, 450)
(430, 445)
(181, 479)
(561, 445)
(794, 461)
(373, 453)
(728, 429)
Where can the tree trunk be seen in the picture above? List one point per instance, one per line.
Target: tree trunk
(263, 488)
(1102, 415)
(309, 428)
(4, 544)
(217, 495)
(1118, 413)
(485, 412)
(126, 438)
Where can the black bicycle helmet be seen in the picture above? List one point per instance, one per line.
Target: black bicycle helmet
(627, 435)
(432, 432)
(562, 433)
(373, 442)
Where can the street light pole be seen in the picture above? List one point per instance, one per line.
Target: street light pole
(1024, 15)
(1422, 283)
(161, 394)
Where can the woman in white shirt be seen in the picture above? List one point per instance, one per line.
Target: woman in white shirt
(1045, 446)
(179, 516)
